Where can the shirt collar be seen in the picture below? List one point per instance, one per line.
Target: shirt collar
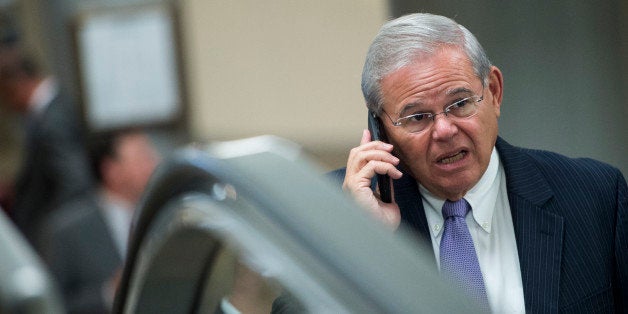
(42, 96)
(115, 201)
(481, 197)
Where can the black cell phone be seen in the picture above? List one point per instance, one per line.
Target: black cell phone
(381, 180)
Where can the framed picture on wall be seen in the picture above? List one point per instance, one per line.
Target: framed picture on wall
(128, 65)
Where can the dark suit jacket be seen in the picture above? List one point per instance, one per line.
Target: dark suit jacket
(81, 254)
(55, 166)
(571, 226)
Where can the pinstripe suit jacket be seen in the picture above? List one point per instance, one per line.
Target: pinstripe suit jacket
(571, 226)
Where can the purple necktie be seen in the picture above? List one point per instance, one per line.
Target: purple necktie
(458, 261)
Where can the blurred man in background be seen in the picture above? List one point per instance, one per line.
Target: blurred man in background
(85, 242)
(54, 167)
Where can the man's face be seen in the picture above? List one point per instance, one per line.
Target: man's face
(450, 156)
(134, 163)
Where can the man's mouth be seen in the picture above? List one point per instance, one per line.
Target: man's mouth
(452, 158)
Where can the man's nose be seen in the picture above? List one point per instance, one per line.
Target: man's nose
(443, 127)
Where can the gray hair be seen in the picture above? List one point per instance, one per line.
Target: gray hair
(401, 41)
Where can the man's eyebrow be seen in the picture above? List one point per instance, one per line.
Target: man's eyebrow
(409, 106)
(458, 90)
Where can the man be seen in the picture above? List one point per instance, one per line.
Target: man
(548, 233)
(86, 238)
(54, 167)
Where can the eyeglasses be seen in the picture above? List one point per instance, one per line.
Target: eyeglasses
(461, 109)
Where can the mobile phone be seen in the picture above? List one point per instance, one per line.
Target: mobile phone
(381, 180)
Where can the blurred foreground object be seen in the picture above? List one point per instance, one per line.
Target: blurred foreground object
(255, 218)
(25, 286)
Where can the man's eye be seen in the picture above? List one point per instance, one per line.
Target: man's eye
(461, 103)
(417, 117)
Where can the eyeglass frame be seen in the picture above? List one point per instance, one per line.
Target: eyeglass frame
(432, 116)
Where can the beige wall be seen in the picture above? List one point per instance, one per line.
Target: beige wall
(288, 68)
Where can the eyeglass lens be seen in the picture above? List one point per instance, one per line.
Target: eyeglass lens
(463, 108)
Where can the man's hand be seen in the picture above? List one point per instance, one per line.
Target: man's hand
(365, 161)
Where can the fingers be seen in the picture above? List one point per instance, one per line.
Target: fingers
(367, 151)
(364, 162)
(373, 167)
(372, 157)
(366, 137)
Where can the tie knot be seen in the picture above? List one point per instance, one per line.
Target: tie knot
(458, 208)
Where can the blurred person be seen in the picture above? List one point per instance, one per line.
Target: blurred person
(85, 240)
(54, 167)
(519, 230)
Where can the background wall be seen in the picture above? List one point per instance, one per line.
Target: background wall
(289, 68)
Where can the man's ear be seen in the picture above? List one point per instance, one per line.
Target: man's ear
(496, 87)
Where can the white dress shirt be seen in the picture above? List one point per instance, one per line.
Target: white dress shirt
(118, 215)
(492, 230)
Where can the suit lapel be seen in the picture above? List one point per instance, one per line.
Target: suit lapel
(538, 232)
(410, 204)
